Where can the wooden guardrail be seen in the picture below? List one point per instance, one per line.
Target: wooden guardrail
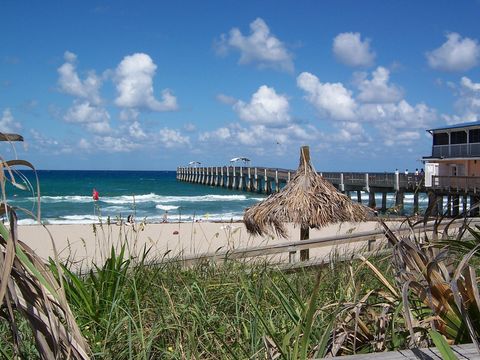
(295, 246)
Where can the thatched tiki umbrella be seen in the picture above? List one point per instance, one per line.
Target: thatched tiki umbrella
(307, 200)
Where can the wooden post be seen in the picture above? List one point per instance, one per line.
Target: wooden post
(255, 183)
(227, 180)
(288, 177)
(367, 184)
(464, 204)
(399, 197)
(415, 203)
(359, 196)
(456, 205)
(341, 187)
(440, 204)
(371, 200)
(304, 235)
(277, 184)
(222, 179)
(432, 208)
(249, 181)
(384, 201)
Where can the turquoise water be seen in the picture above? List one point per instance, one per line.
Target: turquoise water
(66, 197)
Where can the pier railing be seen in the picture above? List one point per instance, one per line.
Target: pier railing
(270, 180)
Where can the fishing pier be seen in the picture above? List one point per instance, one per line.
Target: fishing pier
(457, 191)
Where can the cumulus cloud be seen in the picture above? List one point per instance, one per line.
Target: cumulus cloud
(351, 132)
(467, 105)
(8, 123)
(377, 90)
(70, 83)
(265, 107)
(256, 136)
(134, 83)
(135, 130)
(456, 54)
(95, 119)
(260, 47)
(350, 50)
(398, 123)
(115, 144)
(330, 99)
(171, 138)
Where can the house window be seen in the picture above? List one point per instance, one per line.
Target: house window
(440, 139)
(458, 137)
(474, 136)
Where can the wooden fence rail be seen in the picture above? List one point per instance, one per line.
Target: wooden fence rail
(295, 246)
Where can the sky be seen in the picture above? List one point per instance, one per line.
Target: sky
(152, 85)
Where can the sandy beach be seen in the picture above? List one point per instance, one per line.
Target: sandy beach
(87, 242)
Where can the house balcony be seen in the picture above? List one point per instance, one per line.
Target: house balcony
(456, 150)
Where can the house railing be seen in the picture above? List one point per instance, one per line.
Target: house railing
(456, 150)
(466, 183)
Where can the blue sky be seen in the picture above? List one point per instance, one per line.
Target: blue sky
(153, 85)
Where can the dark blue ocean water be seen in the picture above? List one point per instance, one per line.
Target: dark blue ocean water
(66, 197)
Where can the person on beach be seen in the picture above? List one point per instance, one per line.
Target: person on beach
(165, 217)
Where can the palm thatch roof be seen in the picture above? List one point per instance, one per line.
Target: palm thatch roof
(307, 200)
(10, 137)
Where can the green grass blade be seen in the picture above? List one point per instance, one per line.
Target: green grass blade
(442, 345)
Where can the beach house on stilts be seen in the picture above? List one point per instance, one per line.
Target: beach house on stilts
(454, 165)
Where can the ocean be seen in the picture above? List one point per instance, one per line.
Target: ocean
(66, 198)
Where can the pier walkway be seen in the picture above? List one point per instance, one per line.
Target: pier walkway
(269, 180)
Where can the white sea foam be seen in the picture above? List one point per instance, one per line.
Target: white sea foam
(66, 198)
(144, 198)
(160, 199)
(167, 207)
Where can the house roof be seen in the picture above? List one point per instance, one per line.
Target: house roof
(457, 126)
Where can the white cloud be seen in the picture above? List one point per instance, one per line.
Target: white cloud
(349, 49)
(456, 54)
(467, 105)
(378, 90)
(331, 100)
(135, 130)
(190, 127)
(8, 123)
(258, 136)
(70, 83)
(170, 138)
(134, 83)
(349, 133)
(113, 144)
(129, 114)
(399, 123)
(95, 119)
(84, 144)
(265, 107)
(225, 99)
(260, 47)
